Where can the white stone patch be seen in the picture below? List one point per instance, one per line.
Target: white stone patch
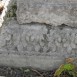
(6, 3)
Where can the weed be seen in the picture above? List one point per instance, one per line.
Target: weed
(68, 68)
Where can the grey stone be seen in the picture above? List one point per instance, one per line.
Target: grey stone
(76, 39)
(32, 45)
(37, 48)
(53, 12)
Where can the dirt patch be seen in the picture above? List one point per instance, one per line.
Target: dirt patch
(24, 72)
(27, 72)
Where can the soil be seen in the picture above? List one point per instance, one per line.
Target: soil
(24, 72)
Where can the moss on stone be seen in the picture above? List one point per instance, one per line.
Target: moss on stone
(12, 11)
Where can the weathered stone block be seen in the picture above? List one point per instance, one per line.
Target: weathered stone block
(39, 45)
(53, 12)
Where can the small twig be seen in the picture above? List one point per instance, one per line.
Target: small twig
(37, 72)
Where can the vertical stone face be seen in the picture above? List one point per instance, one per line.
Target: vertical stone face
(54, 12)
(36, 45)
(39, 44)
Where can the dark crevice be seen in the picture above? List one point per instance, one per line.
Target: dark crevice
(49, 26)
(41, 50)
(45, 38)
(62, 26)
(66, 26)
(36, 23)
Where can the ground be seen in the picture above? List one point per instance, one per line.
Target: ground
(27, 72)
(24, 72)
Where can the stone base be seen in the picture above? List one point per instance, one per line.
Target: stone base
(39, 62)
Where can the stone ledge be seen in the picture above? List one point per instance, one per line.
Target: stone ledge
(53, 12)
(40, 62)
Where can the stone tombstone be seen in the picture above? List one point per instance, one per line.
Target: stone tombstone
(53, 12)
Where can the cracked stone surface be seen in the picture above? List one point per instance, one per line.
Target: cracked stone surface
(53, 12)
(36, 45)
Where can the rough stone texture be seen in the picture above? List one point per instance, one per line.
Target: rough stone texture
(36, 45)
(39, 44)
(54, 12)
